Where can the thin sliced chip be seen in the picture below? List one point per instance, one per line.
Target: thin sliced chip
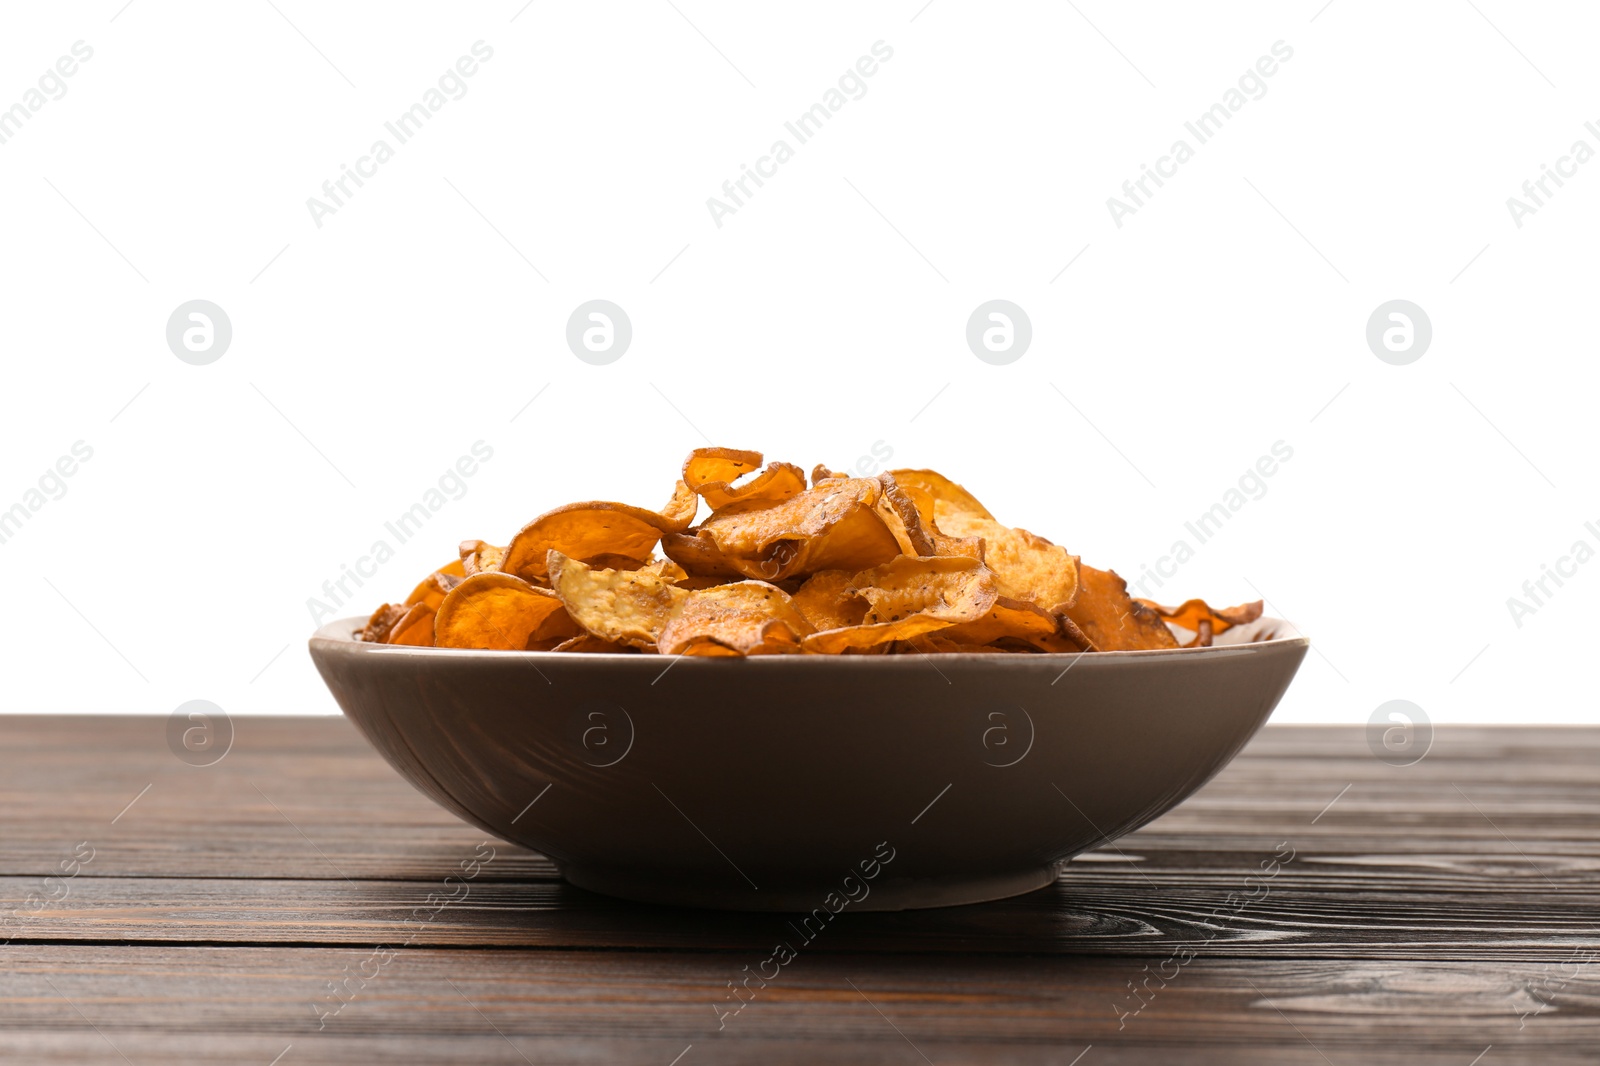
(820, 473)
(909, 597)
(480, 557)
(711, 472)
(665, 569)
(1113, 620)
(382, 622)
(1191, 614)
(588, 642)
(587, 530)
(833, 527)
(899, 512)
(415, 628)
(1015, 620)
(915, 489)
(743, 618)
(431, 589)
(828, 601)
(620, 606)
(497, 612)
(1026, 566)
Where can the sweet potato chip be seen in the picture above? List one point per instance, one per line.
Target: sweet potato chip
(1112, 619)
(480, 557)
(909, 597)
(1192, 614)
(832, 527)
(1017, 621)
(431, 589)
(1026, 566)
(587, 530)
(743, 618)
(498, 612)
(414, 628)
(828, 601)
(382, 622)
(710, 472)
(620, 606)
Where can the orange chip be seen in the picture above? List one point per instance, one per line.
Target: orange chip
(743, 618)
(431, 589)
(587, 530)
(414, 628)
(588, 642)
(1014, 621)
(828, 602)
(1191, 614)
(480, 557)
(1111, 619)
(832, 527)
(909, 597)
(382, 622)
(498, 612)
(620, 606)
(710, 472)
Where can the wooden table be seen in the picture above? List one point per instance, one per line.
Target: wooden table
(290, 904)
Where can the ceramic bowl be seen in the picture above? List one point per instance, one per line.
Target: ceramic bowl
(796, 783)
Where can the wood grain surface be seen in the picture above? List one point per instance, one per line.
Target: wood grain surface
(292, 896)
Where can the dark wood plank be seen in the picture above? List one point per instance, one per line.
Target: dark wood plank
(648, 1007)
(1317, 910)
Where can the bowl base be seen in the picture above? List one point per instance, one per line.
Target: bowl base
(883, 894)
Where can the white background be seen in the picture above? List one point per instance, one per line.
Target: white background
(825, 316)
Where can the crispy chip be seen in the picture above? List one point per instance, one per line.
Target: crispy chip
(499, 612)
(382, 622)
(1026, 566)
(431, 589)
(833, 527)
(827, 601)
(1015, 621)
(588, 642)
(415, 627)
(587, 530)
(620, 606)
(480, 557)
(743, 618)
(909, 597)
(1111, 619)
(710, 472)
(1191, 614)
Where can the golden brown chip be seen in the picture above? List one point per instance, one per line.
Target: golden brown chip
(1026, 566)
(820, 472)
(909, 597)
(1192, 614)
(833, 527)
(828, 601)
(1014, 620)
(415, 627)
(743, 618)
(710, 472)
(620, 606)
(431, 589)
(588, 642)
(382, 622)
(498, 612)
(480, 557)
(1113, 620)
(587, 530)
(899, 512)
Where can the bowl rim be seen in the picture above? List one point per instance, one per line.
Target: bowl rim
(340, 634)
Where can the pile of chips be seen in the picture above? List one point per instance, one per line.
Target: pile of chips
(905, 562)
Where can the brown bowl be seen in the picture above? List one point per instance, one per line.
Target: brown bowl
(800, 782)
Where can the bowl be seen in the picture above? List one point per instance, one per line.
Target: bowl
(809, 782)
